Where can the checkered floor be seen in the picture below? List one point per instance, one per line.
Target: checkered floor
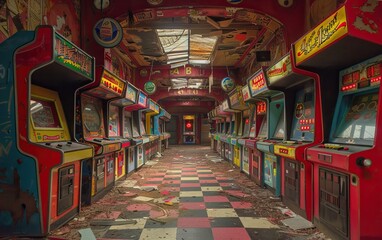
(194, 200)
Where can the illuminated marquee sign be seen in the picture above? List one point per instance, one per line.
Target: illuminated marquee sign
(330, 30)
(151, 105)
(225, 105)
(72, 57)
(234, 98)
(257, 83)
(112, 83)
(279, 70)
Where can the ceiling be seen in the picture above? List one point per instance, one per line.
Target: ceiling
(208, 37)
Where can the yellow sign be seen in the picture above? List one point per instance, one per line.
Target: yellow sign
(331, 29)
(113, 83)
(285, 151)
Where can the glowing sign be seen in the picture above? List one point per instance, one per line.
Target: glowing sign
(257, 83)
(112, 83)
(245, 93)
(131, 93)
(330, 30)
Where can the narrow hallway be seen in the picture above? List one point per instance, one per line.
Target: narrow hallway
(188, 193)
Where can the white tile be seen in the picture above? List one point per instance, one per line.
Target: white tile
(139, 225)
(191, 194)
(158, 233)
(174, 171)
(221, 212)
(189, 178)
(200, 171)
(212, 189)
(251, 222)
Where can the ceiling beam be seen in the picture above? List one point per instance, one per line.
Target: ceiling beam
(251, 45)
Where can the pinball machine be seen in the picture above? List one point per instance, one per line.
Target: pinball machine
(120, 129)
(346, 167)
(303, 129)
(273, 124)
(131, 126)
(160, 129)
(236, 102)
(40, 167)
(92, 107)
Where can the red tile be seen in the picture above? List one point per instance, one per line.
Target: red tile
(215, 199)
(192, 205)
(173, 213)
(241, 205)
(189, 169)
(230, 234)
(189, 173)
(138, 207)
(190, 185)
(157, 175)
(194, 222)
(173, 176)
(208, 181)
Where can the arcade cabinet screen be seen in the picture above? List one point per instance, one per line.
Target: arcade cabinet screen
(263, 128)
(142, 124)
(304, 111)
(246, 127)
(227, 128)
(135, 129)
(279, 131)
(44, 114)
(252, 131)
(222, 127)
(113, 121)
(127, 130)
(91, 113)
(357, 119)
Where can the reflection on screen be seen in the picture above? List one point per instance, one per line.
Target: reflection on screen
(127, 131)
(44, 114)
(359, 118)
(142, 125)
(263, 128)
(279, 131)
(135, 130)
(246, 127)
(113, 121)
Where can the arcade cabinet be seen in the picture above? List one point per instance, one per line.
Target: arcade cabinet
(119, 129)
(160, 129)
(189, 127)
(140, 119)
(224, 131)
(244, 151)
(92, 112)
(303, 129)
(131, 124)
(275, 123)
(40, 166)
(257, 130)
(152, 111)
(346, 168)
(236, 103)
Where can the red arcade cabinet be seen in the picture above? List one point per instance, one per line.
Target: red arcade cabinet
(303, 129)
(345, 50)
(98, 174)
(131, 103)
(117, 131)
(138, 127)
(41, 172)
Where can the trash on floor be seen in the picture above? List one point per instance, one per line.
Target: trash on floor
(87, 234)
(287, 211)
(143, 199)
(111, 222)
(127, 183)
(297, 223)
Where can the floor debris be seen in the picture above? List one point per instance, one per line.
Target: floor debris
(87, 234)
(297, 223)
(111, 222)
